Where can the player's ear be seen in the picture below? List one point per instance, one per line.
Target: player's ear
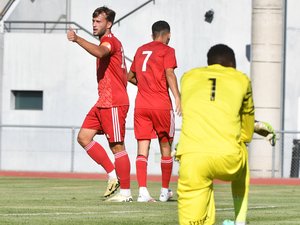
(109, 25)
(168, 38)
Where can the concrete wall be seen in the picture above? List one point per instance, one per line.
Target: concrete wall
(51, 64)
(1, 69)
(66, 73)
(292, 82)
(267, 65)
(52, 10)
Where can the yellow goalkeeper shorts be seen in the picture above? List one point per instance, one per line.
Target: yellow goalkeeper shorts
(195, 184)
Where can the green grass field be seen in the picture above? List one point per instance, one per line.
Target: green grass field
(37, 201)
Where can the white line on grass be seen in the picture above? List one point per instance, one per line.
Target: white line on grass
(112, 212)
(253, 207)
(66, 213)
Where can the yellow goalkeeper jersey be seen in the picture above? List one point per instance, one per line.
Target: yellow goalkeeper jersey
(217, 110)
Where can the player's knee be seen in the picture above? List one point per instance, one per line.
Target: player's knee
(79, 140)
(165, 147)
(117, 147)
(83, 140)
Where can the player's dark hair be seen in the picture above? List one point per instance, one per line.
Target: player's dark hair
(110, 14)
(221, 54)
(159, 28)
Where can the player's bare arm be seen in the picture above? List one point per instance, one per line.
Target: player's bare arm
(172, 82)
(131, 77)
(98, 51)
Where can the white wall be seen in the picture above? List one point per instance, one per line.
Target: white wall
(1, 70)
(50, 10)
(191, 35)
(66, 73)
(292, 84)
(52, 64)
(292, 90)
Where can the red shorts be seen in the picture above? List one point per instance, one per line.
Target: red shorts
(149, 123)
(108, 121)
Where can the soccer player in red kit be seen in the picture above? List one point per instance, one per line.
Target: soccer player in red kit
(152, 70)
(108, 115)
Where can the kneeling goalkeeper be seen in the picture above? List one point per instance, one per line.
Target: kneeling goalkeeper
(217, 122)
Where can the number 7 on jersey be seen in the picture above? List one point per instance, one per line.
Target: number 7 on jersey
(148, 54)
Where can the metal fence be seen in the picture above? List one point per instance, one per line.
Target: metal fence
(285, 155)
(290, 153)
(295, 159)
(55, 148)
(34, 139)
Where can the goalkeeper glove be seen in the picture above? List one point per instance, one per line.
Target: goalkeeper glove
(266, 130)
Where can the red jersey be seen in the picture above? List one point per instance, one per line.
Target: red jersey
(149, 64)
(112, 76)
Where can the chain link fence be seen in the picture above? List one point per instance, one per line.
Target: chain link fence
(55, 149)
(294, 171)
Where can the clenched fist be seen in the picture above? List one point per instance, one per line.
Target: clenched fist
(71, 35)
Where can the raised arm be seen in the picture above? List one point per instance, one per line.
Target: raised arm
(98, 51)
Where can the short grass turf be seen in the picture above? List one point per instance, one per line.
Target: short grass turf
(43, 201)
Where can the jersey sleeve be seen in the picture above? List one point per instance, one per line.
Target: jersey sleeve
(247, 116)
(170, 59)
(110, 41)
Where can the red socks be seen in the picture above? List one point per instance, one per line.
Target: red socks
(122, 167)
(166, 170)
(122, 163)
(99, 155)
(141, 170)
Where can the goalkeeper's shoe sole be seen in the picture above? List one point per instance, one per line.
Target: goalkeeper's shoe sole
(228, 222)
(120, 198)
(112, 187)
